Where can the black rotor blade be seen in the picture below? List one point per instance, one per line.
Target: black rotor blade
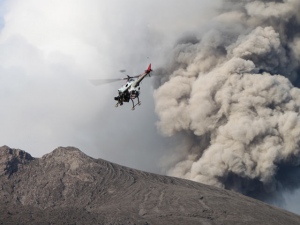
(105, 81)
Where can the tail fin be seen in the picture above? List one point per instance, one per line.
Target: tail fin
(149, 69)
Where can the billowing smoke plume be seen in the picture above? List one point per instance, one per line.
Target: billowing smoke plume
(229, 94)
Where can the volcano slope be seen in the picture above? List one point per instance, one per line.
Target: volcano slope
(68, 187)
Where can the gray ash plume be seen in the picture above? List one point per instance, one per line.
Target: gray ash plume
(230, 93)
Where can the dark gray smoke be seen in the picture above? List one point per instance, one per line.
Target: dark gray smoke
(230, 96)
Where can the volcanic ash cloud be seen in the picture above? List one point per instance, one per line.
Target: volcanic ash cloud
(230, 94)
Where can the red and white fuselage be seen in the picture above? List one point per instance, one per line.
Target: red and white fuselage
(132, 84)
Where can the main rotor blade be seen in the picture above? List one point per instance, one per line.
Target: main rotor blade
(105, 81)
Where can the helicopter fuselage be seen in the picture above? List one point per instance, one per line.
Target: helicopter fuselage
(130, 89)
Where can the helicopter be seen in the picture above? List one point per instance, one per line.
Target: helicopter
(130, 90)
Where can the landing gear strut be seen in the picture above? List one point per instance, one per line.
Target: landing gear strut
(125, 98)
(134, 105)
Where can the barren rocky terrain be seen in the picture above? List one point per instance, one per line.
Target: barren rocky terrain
(68, 187)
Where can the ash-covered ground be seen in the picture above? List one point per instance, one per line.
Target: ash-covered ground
(68, 187)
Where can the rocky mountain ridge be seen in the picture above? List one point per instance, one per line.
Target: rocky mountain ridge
(68, 187)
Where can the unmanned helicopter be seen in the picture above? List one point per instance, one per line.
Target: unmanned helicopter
(130, 90)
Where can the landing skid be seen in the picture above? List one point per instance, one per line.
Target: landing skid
(134, 105)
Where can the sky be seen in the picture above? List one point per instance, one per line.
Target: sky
(50, 50)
